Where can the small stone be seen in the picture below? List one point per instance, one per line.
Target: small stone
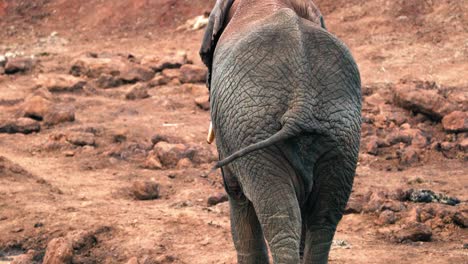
(94, 67)
(60, 82)
(428, 102)
(414, 232)
(69, 153)
(184, 163)
(409, 155)
(36, 107)
(59, 251)
(59, 115)
(190, 73)
(138, 91)
(170, 154)
(108, 81)
(456, 121)
(354, 206)
(15, 65)
(3, 61)
(464, 145)
(82, 239)
(203, 102)
(27, 258)
(171, 74)
(20, 125)
(217, 198)
(81, 138)
(133, 260)
(376, 200)
(394, 206)
(136, 73)
(461, 219)
(158, 81)
(386, 217)
(152, 162)
(17, 230)
(171, 60)
(145, 190)
(447, 146)
(371, 145)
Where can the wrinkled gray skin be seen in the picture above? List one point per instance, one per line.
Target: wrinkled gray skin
(292, 86)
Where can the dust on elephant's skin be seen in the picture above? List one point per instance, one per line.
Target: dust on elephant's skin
(285, 105)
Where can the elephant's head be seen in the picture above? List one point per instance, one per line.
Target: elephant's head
(224, 10)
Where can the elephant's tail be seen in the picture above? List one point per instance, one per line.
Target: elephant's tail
(284, 133)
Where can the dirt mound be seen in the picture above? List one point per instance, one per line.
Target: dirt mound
(94, 17)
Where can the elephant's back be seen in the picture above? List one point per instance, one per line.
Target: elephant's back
(283, 70)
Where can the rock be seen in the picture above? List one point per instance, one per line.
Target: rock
(375, 99)
(409, 136)
(137, 91)
(217, 198)
(203, 102)
(82, 239)
(81, 138)
(136, 73)
(36, 107)
(195, 89)
(159, 80)
(190, 73)
(94, 67)
(108, 81)
(463, 145)
(145, 190)
(15, 65)
(447, 146)
(386, 217)
(371, 145)
(167, 138)
(171, 74)
(428, 196)
(59, 115)
(414, 232)
(27, 258)
(171, 60)
(456, 121)
(393, 206)
(170, 154)
(152, 162)
(461, 219)
(409, 156)
(354, 206)
(376, 200)
(20, 125)
(59, 251)
(133, 260)
(184, 163)
(428, 102)
(202, 154)
(401, 195)
(60, 82)
(3, 61)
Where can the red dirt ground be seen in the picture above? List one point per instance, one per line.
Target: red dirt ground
(50, 188)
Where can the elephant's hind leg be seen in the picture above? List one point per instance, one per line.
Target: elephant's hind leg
(246, 230)
(247, 233)
(327, 204)
(273, 195)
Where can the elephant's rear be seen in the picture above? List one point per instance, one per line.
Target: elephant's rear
(287, 74)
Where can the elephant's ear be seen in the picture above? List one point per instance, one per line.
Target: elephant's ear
(213, 31)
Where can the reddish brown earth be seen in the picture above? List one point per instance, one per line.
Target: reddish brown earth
(72, 178)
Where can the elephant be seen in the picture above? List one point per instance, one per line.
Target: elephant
(285, 97)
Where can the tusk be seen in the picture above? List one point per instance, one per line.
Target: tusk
(211, 134)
